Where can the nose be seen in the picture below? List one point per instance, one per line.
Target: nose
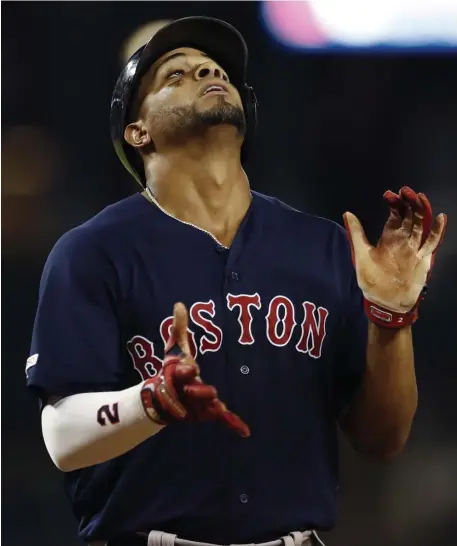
(212, 70)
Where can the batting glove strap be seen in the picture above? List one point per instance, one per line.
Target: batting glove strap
(385, 318)
(150, 403)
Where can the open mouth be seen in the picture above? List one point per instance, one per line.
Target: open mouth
(215, 88)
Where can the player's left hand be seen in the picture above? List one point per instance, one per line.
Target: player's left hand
(393, 274)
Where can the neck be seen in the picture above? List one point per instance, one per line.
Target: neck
(209, 190)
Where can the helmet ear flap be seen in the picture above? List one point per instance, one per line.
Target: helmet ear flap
(119, 113)
(250, 104)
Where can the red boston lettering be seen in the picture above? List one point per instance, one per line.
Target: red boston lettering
(145, 362)
(165, 332)
(280, 305)
(244, 302)
(214, 341)
(280, 326)
(312, 331)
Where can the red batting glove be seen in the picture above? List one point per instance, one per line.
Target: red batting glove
(178, 394)
(393, 276)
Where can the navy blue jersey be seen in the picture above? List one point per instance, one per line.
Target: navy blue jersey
(277, 326)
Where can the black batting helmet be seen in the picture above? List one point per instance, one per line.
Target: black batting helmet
(219, 40)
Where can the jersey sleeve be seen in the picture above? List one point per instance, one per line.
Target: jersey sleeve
(351, 361)
(76, 336)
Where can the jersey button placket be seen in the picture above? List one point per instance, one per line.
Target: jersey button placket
(239, 475)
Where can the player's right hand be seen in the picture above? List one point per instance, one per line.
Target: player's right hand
(177, 392)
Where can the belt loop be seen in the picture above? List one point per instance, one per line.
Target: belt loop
(299, 538)
(288, 540)
(158, 538)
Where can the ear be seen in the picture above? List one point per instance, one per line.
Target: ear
(137, 135)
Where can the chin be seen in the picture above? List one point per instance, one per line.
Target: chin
(222, 112)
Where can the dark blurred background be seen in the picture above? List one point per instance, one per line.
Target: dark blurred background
(338, 126)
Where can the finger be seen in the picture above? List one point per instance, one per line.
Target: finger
(235, 423)
(416, 233)
(180, 325)
(409, 195)
(394, 221)
(417, 208)
(357, 238)
(200, 391)
(396, 212)
(442, 230)
(428, 217)
(167, 394)
(169, 402)
(413, 219)
(394, 201)
(185, 373)
(189, 361)
(231, 420)
(435, 237)
(407, 224)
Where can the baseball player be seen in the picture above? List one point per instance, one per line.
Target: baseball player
(198, 344)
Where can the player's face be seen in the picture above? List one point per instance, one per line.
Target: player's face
(185, 92)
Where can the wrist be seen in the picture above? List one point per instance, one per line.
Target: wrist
(383, 334)
(388, 319)
(149, 403)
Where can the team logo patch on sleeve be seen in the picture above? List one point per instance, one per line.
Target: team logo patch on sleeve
(31, 361)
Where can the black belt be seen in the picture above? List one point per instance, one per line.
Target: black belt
(134, 540)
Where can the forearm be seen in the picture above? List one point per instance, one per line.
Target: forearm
(78, 433)
(381, 414)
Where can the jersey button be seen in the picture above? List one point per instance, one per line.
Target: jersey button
(235, 276)
(220, 249)
(244, 370)
(244, 498)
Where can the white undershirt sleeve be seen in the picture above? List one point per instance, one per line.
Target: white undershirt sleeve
(90, 428)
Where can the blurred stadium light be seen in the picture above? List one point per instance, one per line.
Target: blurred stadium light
(354, 24)
(32, 162)
(139, 37)
(31, 159)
